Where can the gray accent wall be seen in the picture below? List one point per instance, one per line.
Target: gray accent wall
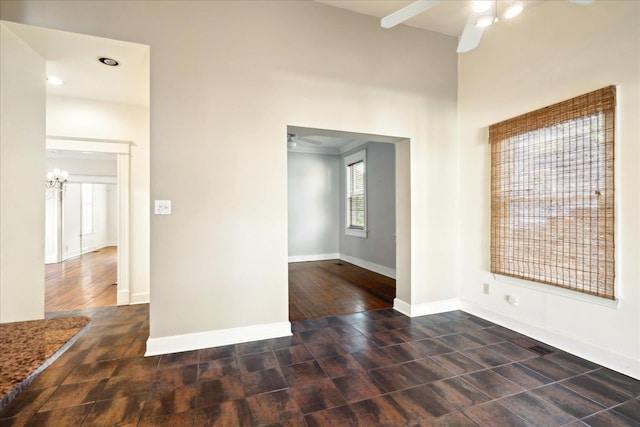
(379, 247)
(316, 207)
(313, 203)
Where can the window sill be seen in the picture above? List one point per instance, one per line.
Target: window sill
(356, 232)
(561, 292)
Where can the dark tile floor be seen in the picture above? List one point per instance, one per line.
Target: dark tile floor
(378, 368)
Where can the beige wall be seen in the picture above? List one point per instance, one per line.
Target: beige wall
(226, 80)
(520, 67)
(228, 77)
(403, 220)
(22, 174)
(81, 118)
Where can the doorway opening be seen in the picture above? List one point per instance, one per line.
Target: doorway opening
(105, 110)
(92, 232)
(342, 222)
(81, 231)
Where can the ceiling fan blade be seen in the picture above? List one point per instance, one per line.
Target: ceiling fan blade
(309, 140)
(582, 2)
(471, 35)
(407, 12)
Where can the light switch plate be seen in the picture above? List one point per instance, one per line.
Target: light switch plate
(163, 207)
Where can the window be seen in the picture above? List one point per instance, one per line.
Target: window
(552, 195)
(356, 199)
(87, 208)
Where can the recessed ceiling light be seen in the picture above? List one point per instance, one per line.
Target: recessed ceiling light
(52, 80)
(108, 61)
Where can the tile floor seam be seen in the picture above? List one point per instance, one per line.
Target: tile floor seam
(585, 396)
(558, 383)
(623, 415)
(509, 380)
(504, 407)
(490, 399)
(599, 380)
(45, 401)
(602, 411)
(546, 401)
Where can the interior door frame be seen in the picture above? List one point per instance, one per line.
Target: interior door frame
(122, 150)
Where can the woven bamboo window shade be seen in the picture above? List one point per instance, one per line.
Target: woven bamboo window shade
(552, 194)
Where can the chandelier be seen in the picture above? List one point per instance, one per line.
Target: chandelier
(56, 179)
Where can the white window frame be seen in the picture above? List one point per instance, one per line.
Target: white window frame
(350, 160)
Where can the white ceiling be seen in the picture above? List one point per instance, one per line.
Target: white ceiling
(73, 58)
(332, 141)
(325, 144)
(448, 17)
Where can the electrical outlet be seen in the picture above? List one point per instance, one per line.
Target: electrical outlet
(485, 289)
(163, 207)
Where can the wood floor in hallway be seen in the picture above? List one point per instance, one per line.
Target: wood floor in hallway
(82, 282)
(316, 289)
(336, 287)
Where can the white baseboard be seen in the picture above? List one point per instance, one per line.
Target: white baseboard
(625, 364)
(402, 307)
(76, 252)
(314, 257)
(72, 254)
(195, 341)
(139, 298)
(100, 246)
(376, 268)
(51, 259)
(423, 309)
(122, 297)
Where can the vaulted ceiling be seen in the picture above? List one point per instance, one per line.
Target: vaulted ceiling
(447, 17)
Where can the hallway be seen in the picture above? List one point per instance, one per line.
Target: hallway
(88, 281)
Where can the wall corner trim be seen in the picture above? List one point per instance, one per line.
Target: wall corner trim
(198, 340)
(423, 309)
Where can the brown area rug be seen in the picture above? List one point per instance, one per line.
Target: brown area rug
(27, 348)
